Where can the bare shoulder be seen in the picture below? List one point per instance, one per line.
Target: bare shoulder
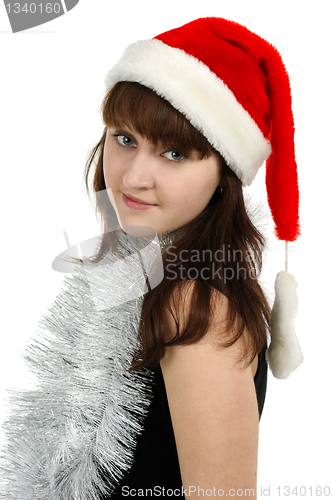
(218, 328)
(213, 404)
(206, 355)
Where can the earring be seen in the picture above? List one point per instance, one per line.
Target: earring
(222, 187)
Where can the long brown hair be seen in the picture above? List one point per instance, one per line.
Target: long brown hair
(222, 229)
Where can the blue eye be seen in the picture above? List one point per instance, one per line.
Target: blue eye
(174, 155)
(124, 140)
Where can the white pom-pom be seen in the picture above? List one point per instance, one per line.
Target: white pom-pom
(284, 354)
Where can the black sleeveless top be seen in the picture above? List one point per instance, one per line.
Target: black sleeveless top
(156, 464)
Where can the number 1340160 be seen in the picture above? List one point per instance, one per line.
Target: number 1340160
(33, 8)
(296, 491)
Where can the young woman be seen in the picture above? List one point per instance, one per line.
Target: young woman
(160, 393)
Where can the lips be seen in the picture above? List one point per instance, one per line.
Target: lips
(135, 203)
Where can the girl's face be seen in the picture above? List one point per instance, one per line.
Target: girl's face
(156, 186)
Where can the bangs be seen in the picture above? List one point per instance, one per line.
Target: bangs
(133, 105)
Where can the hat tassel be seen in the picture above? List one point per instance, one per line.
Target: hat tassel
(284, 354)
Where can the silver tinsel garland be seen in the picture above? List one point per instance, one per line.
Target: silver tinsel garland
(74, 436)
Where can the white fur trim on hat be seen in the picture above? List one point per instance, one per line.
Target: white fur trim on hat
(203, 98)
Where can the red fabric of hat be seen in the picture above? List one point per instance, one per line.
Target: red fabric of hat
(254, 72)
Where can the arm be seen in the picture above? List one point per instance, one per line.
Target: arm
(213, 406)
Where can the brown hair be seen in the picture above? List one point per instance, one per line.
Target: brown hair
(223, 228)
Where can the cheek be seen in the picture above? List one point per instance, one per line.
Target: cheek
(193, 190)
(195, 196)
(110, 161)
(110, 169)
(185, 202)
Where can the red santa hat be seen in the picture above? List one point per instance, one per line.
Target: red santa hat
(233, 87)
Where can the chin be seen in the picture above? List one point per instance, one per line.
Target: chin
(140, 229)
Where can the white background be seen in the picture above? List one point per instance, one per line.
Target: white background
(51, 89)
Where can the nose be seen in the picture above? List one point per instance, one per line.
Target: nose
(138, 173)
